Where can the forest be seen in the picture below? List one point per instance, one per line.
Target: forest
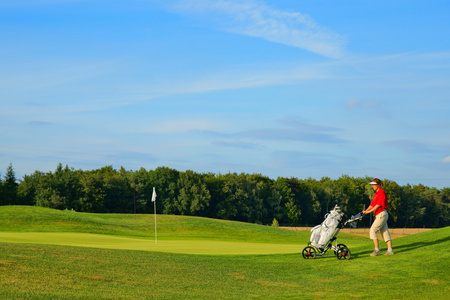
(253, 198)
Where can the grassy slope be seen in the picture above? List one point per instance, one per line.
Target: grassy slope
(37, 219)
(419, 270)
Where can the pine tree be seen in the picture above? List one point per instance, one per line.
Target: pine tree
(9, 193)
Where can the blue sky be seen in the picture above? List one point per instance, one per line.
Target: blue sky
(285, 88)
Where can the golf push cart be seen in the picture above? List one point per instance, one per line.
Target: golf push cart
(324, 235)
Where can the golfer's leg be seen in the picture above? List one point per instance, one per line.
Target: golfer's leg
(384, 230)
(376, 226)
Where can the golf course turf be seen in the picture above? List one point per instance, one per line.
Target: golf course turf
(126, 243)
(49, 254)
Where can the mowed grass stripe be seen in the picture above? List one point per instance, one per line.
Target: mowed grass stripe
(210, 247)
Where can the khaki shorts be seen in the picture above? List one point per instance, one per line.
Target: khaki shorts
(380, 224)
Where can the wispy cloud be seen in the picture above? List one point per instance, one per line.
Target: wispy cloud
(296, 130)
(51, 74)
(256, 19)
(365, 105)
(175, 126)
(361, 103)
(446, 160)
(238, 144)
(410, 146)
(251, 76)
(303, 160)
(37, 123)
(291, 135)
(301, 124)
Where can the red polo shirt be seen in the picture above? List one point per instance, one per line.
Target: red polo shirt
(381, 199)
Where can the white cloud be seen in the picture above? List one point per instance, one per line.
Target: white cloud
(446, 160)
(251, 77)
(256, 19)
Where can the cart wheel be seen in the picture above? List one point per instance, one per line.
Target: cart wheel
(343, 252)
(337, 247)
(309, 253)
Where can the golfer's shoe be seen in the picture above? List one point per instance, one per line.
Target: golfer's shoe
(375, 253)
(389, 253)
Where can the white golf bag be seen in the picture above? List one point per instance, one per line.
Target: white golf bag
(321, 234)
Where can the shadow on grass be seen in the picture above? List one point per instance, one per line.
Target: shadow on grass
(417, 245)
(403, 248)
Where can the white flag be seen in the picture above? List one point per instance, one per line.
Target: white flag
(154, 195)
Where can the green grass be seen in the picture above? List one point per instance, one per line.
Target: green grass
(419, 270)
(38, 219)
(211, 247)
(176, 234)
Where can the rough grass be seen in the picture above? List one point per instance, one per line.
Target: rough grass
(419, 270)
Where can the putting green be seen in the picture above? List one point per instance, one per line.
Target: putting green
(129, 243)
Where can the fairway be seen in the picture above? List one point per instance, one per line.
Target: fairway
(128, 243)
(43, 252)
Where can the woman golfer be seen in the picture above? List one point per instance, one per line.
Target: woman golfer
(378, 207)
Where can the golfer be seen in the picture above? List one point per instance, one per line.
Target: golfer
(378, 207)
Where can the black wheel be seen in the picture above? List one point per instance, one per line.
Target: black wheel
(337, 247)
(343, 252)
(309, 253)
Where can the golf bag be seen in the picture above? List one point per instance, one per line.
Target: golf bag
(321, 234)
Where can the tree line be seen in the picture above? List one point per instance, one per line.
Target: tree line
(242, 197)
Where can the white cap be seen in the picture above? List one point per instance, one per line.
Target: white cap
(375, 181)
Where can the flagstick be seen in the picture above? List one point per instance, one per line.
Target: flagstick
(156, 234)
(154, 209)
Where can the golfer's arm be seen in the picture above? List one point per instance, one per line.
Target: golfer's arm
(372, 208)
